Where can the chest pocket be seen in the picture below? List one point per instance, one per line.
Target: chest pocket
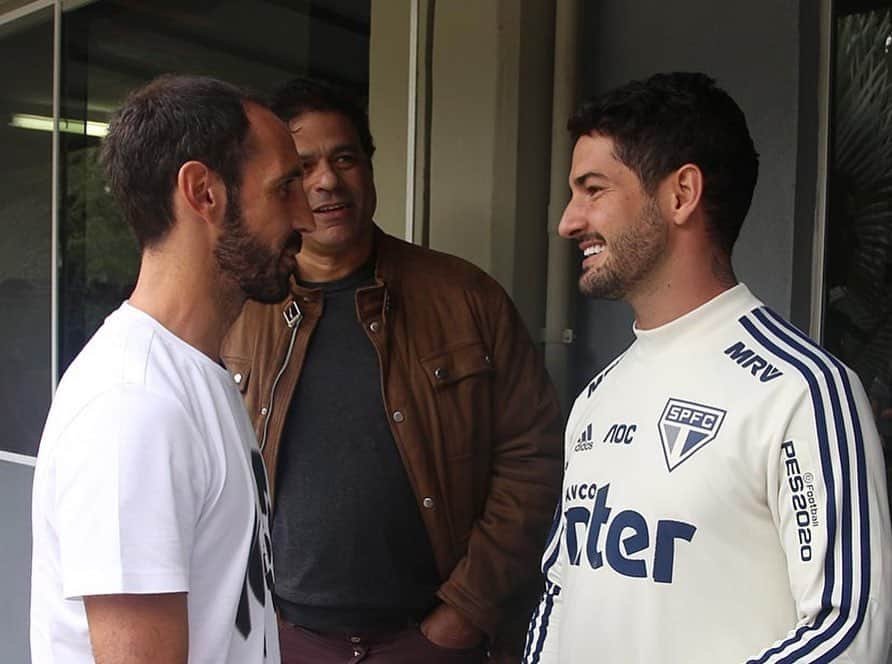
(460, 378)
(456, 364)
(461, 381)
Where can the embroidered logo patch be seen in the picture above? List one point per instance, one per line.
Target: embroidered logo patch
(686, 427)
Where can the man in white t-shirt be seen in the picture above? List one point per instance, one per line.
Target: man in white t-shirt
(724, 495)
(150, 508)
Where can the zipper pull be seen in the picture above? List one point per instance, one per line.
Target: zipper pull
(292, 314)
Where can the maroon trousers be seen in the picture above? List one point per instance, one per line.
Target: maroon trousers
(407, 646)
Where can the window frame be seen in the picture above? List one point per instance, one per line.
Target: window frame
(7, 17)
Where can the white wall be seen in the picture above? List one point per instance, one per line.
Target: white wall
(388, 109)
(490, 95)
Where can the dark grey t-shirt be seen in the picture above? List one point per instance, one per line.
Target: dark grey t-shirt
(350, 550)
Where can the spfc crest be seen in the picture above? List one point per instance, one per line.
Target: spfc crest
(685, 427)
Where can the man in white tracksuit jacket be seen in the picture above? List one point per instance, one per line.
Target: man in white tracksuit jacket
(724, 495)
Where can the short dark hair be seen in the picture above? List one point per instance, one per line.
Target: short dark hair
(669, 120)
(303, 94)
(162, 125)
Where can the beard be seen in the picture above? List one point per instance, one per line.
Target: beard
(633, 255)
(261, 272)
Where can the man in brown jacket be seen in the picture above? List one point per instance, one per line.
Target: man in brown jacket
(410, 431)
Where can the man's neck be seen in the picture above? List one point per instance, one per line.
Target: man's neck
(664, 306)
(680, 291)
(188, 302)
(322, 267)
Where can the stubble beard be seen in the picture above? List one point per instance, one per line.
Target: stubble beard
(633, 256)
(241, 257)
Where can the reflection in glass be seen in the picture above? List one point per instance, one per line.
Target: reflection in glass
(26, 68)
(858, 322)
(113, 46)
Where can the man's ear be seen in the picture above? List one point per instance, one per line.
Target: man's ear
(201, 191)
(681, 193)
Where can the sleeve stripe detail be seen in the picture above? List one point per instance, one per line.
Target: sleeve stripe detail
(821, 428)
(553, 543)
(545, 606)
(853, 559)
(780, 338)
(531, 630)
(601, 376)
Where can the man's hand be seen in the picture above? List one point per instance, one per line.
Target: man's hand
(447, 628)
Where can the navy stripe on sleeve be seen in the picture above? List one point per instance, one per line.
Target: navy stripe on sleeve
(780, 338)
(551, 591)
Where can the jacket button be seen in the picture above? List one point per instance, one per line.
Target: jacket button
(487, 359)
(428, 503)
(398, 416)
(237, 378)
(440, 373)
(374, 326)
(264, 410)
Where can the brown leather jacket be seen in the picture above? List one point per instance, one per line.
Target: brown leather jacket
(472, 410)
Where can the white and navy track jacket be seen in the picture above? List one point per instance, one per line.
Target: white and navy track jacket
(724, 500)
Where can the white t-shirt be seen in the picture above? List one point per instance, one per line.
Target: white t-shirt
(148, 480)
(724, 501)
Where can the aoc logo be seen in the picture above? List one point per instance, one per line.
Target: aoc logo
(686, 427)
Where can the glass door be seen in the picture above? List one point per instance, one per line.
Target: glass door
(112, 46)
(26, 143)
(107, 48)
(858, 283)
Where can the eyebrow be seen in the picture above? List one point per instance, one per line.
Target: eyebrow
(579, 180)
(342, 147)
(293, 174)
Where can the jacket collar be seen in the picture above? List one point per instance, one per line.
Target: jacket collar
(387, 259)
(387, 250)
(375, 298)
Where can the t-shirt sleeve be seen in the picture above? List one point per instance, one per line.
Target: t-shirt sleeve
(130, 481)
(827, 477)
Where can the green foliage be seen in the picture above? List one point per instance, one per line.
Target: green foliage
(100, 257)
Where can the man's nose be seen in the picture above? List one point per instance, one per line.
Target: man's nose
(323, 177)
(572, 221)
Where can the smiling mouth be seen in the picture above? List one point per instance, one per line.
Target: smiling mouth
(593, 250)
(332, 207)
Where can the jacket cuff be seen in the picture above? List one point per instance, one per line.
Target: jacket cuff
(484, 618)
